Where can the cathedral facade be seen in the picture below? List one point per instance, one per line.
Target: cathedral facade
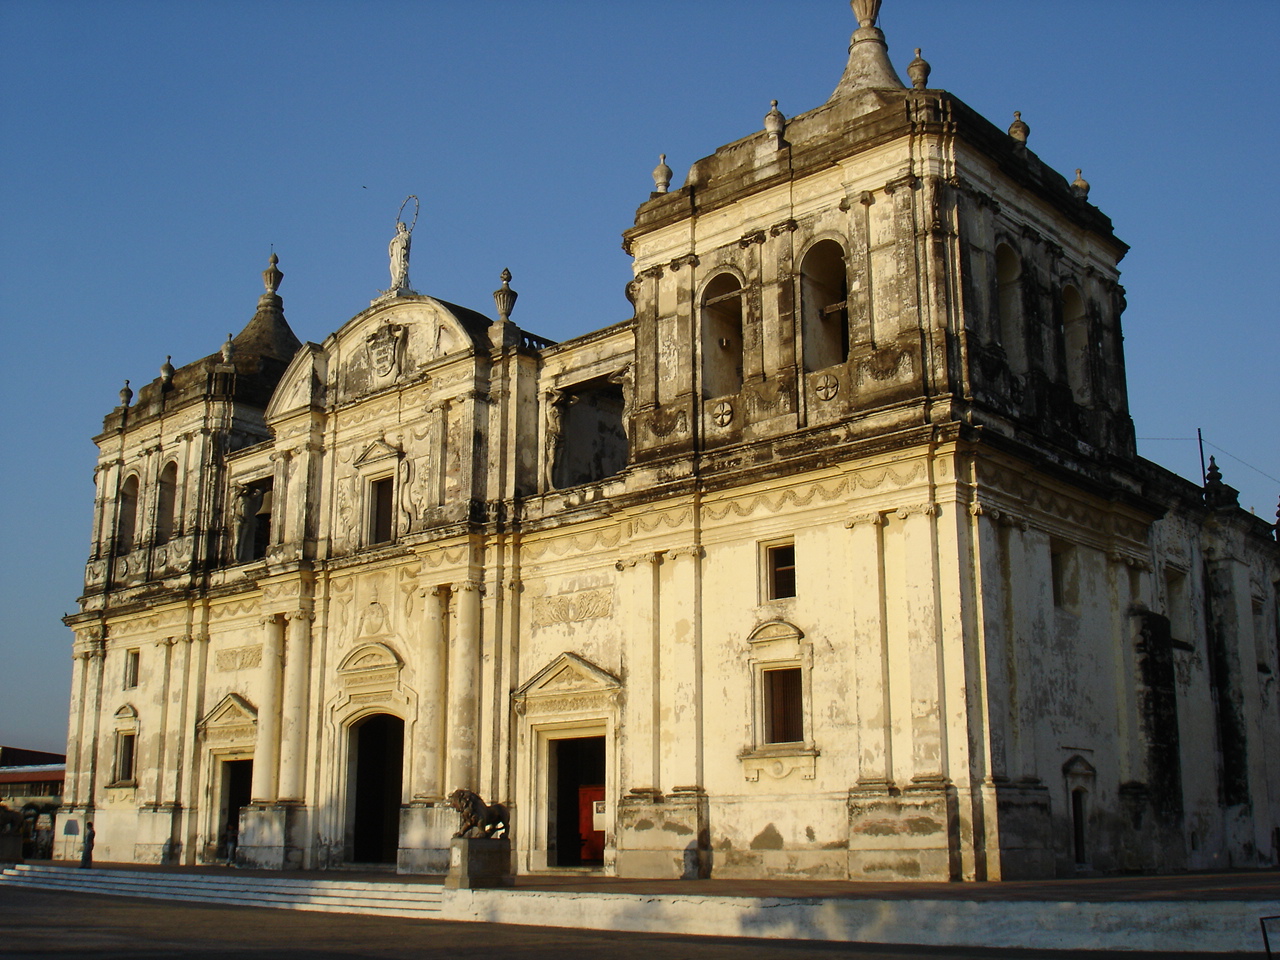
(836, 560)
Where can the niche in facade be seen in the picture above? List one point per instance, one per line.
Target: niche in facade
(824, 294)
(593, 439)
(1009, 306)
(1075, 338)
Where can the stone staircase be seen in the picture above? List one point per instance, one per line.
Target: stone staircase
(390, 899)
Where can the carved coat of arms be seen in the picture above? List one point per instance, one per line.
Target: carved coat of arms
(384, 347)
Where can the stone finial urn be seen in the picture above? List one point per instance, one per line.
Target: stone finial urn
(661, 175)
(1018, 129)
(918, 70)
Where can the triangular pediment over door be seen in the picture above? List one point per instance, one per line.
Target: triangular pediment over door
(234, 719)
(569, 686)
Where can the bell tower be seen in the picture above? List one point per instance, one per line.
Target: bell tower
(888, 260)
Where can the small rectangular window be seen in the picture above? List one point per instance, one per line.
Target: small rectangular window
(131, 658)
(784, 706)
(380, 514)
(781, 569)
(124, 756)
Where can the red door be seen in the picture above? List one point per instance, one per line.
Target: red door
(592, 839)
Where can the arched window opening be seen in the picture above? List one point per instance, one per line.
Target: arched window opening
(1075, 337)
(824, 312)
(722, 337)
(166, 502)
(1009, 307)
(127, 515)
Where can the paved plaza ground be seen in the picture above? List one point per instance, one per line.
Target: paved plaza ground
(42, 925)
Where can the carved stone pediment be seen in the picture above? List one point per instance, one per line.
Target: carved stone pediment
(378, 451)
(775, 640)
(370, 665)
(233, 720)
(568, 685)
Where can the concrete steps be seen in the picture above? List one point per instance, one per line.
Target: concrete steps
(243, 889)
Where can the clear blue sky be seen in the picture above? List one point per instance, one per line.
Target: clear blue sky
(151, 152)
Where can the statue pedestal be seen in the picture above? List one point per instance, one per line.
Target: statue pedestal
(11, 847)
(479, 862)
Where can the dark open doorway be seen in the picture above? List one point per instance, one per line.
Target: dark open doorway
(237, 791)
(377, 759)
(577, 787)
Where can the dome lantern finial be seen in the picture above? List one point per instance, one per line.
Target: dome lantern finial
(867, 11)
(868, 69)
(272, 276)
(126, 395)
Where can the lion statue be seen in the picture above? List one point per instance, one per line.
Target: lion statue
(11, 821)
(479, 819)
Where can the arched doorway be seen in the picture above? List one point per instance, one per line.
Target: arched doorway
(374, 788)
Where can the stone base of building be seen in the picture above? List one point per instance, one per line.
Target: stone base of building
(156, 838)
(664, 837)
(426, 830)
(273, 836)
(907, 834)
(1017, 840)
(479, 863)
(69, 834)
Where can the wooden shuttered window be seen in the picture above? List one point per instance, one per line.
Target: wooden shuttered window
(784, 706)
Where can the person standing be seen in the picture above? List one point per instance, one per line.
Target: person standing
(86, 851)
(233, 841)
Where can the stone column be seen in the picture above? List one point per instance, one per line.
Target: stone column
(293, 728)
(197, 758)
(639, 579)
(266, 751)
(870, 656)
(75, 727)
(161, 752)
(920, 617)
(464, 687)
(428, 732)
(680, 674)
(93, 706)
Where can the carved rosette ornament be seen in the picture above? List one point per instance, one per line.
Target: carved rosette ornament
(722, 413)
(826, 387)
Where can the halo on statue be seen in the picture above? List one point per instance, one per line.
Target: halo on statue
(416, 206)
